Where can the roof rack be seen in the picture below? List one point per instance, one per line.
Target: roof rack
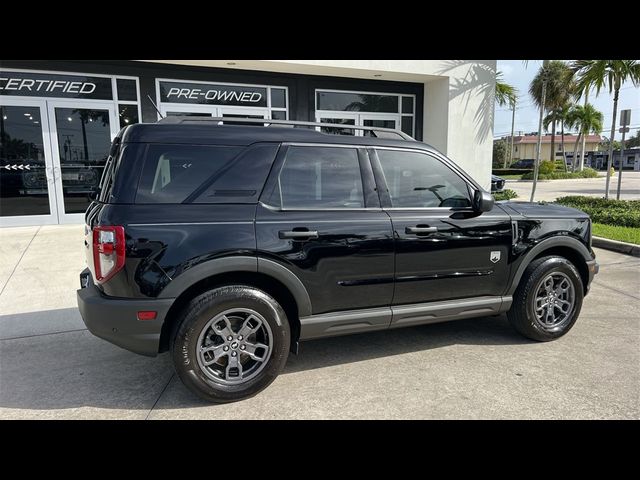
(379, 132)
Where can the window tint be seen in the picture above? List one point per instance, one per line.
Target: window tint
(319, 177)
(172, 173)
(418, 180)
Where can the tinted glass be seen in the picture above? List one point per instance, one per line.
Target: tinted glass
(128, 115)
(320, 177)
(278, 115)
(417, 180)
(241, 180)
(84, 140)
(188, 114)
(23, 181)
(407, 104)
(357, 102)
(377, 123)
(127, 89)
(338, 130)
(278, 98)
(407, 125)
(172, 173)
(240, 115)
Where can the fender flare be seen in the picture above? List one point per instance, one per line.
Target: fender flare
(547, 244)
(241, 264)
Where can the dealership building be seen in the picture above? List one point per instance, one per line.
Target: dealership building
(58, 117)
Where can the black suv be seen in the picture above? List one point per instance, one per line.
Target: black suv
(228, 244)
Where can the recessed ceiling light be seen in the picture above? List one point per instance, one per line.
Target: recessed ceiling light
(91, 119)
(69, 118)
(27, 114)
(4, 117)
(231, 63)
(126, 120)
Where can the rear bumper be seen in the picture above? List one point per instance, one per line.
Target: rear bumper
(115, 319)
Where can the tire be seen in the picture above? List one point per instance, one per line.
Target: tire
(215, 375)
(532, 293)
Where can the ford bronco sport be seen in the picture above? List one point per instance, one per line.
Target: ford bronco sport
(226, 245)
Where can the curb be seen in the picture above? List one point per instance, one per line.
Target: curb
(616, 246)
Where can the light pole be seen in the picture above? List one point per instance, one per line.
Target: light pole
(625, 120)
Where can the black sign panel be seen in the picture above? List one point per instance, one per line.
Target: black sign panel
(212, 94)
(28, 84)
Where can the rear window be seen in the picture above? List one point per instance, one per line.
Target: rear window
(204, 173)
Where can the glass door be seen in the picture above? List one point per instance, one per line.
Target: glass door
(27, 195)
(188, 110)
(380, 120)
(230, 112)
(80, 142)
(338, 119)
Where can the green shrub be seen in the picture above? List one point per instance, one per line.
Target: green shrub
(623, 213)
(506, 194)
(561, 175)
(547, 167)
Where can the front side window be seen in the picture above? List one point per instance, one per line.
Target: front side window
(418, 180)
(319, 177)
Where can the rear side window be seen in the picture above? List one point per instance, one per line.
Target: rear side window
(319, 177)
(204, 173)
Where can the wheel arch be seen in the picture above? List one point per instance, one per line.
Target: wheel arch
(266, 275)
(566, 247)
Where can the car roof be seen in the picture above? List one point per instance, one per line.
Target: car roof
(214, 134)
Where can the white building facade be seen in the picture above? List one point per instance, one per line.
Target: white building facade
(58, 117)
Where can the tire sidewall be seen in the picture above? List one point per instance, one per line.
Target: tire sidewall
(553, 264)
(207, 306)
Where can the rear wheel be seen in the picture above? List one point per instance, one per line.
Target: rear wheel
(548, 300)
(232, 342)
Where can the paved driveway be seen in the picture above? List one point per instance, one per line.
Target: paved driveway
(551, 189)
(51, 367)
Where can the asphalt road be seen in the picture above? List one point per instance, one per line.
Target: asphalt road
(51, 367)
(549, 190)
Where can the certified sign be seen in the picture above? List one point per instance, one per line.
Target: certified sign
(213, 94)
(28, 84)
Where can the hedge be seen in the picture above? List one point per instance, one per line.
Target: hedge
(560, 175)
(622, 213)
(510, 171)
(506, 194)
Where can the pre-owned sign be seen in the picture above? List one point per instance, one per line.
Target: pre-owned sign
(28, 84)
(213, 94)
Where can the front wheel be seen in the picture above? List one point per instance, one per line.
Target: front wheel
(232, 343)
(548, 300)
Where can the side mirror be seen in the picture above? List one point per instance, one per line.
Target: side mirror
(482, 201)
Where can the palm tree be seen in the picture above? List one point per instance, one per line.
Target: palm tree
(506, 94)
(560, 88)
(586, 119)
(559, 115)
(609, 74)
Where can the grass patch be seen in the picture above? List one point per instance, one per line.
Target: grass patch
(622, 234)
(511, 177)
(621, 213)
(506, 194)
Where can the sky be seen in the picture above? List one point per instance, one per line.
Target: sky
(527, 115)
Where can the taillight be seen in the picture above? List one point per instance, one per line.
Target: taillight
(108, 251)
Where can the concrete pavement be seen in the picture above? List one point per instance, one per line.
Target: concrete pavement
(549, 190)
(51, 367)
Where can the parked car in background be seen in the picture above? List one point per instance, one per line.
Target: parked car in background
(497, 184)
(524, 163)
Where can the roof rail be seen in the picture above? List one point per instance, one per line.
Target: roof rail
(379, 132)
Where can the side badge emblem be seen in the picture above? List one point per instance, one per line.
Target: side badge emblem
(495, 257)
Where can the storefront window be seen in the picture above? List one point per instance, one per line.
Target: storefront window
(127, 89)
(278, 98)
(278, 115)
(128, 115)
(357, 102)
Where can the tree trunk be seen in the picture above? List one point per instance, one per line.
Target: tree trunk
(513, 120)
(553, 142)
(536, 163)
(584, 137)
(613, 136)
(575, 153)
(564, 157)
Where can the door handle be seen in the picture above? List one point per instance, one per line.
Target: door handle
(298, 234)
(419, 230)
